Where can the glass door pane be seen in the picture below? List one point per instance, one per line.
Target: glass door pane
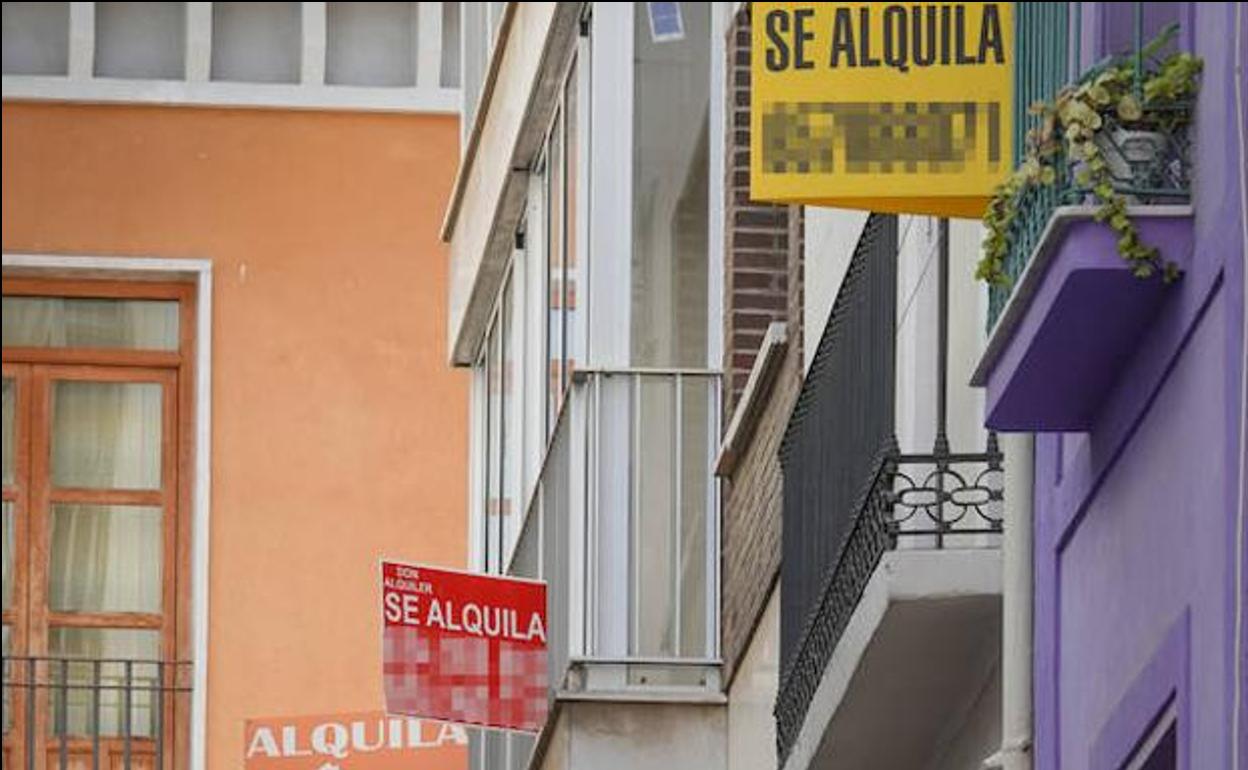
(105, 558)
(10, 429)
(9, 674)
(10, 534)
(106, 435)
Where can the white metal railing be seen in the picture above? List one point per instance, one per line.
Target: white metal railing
(623, 524)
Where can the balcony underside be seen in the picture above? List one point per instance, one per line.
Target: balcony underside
(1075, 316)
(915, 653)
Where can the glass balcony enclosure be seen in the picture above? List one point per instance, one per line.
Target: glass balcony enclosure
(595, 413)
(622, 525)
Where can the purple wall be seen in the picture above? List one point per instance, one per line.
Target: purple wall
(1135, 520)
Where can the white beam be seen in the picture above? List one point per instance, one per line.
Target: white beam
(429, 45)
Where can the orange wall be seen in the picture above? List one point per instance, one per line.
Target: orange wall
(339, 433)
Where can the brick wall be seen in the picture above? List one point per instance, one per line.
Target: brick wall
(763, 281)
(756, 245)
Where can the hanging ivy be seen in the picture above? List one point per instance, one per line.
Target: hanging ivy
(1067, 134)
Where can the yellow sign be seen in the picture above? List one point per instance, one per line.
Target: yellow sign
(901, 108)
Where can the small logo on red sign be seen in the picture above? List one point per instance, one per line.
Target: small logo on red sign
(464, 648)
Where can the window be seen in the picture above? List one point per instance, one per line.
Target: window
(1160, 748)
(534, 339)
(140, 40)
(96, 380)
(257, 42)
(555, 285)
(669, 306)
(671, 106)
(500, 461)
(562, 182)
(36, 38)
(370, 44)
(449, 73)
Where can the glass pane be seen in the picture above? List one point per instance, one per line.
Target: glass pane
(9, 675)
(449, 72)
(10, 532)
(493, 496)
(370, 44)
(654, 526)
(10, 428)
(63, 322)
(670, 173)
(106, 435)
(140, 40)
(105, 558)
(522, 745)
(256, 42)
(570, 269)
(510, 421)
(695, 470)
(72, 706)
(36, 38)
(554, 276)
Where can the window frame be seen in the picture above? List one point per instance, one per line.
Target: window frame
(34, 369)
(572, 231)
(532, 258)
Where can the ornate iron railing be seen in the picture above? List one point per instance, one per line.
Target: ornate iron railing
(94, 712)
(1147, 167)
(937, 500)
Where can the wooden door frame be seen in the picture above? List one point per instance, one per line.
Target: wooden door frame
(185, 479)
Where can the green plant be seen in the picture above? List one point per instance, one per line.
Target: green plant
(1143, 93)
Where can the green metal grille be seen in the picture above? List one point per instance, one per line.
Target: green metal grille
(1042, 37)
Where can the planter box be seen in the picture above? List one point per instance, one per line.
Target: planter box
(1074, 319)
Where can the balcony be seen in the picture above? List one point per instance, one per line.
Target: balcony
(915, 562)
(1069, 309)
(95, 712)
(623, 526)
(890, 593)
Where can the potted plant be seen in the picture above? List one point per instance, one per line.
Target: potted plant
(1112, 131)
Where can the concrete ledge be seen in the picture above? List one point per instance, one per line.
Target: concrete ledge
(950, 591)
(753, 398)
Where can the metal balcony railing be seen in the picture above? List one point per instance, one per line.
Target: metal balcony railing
(938, 500)
(623, 526)
(1048, 58)
(121, 714)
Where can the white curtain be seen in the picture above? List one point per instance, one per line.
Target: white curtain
(58, 322)
(106, 435)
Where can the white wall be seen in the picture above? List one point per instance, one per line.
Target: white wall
(637, 736)
(918, 304)
(968, 312)
(830, 238)
(917, 330)
(978, 735)
(751, 725)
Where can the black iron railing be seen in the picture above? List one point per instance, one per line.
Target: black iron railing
(842, 417)
(938, 500)
(95, 712)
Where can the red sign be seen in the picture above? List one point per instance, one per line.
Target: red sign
(463, 647)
